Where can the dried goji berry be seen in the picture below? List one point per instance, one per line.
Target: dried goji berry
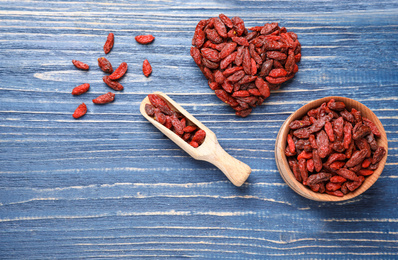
(225, 19)
(105, 65)
(149, 109)
(239, 25)
(277, 73)
(228, 60)
(81, 89)
(378, 154)
(366, 163)
(80, 111)
(241, 41)
(112, 84)
(144, 39)
(335, 193)
(104, 99)
(197, 57)
(291, 144)
(228, 49)
(220, 27)
(110, 40)
(372, 126)
(146, 68)
(119, 72)
(213, 36)
(80, 65)
(337, 179)
(199, 136)
(158, 102)
(189, 128)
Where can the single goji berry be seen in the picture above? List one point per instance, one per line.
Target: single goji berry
(366, 163)
(199, 136)
(220, 27)
(336, 193)
(227, 50)
(110, 40)
(158, 102)
(228, 60)
(213, 36)
(105, 65)
(378, 154)
(80, 111)
(81, 89)
(365, 172)
(241, 41)
(80, 65)
(372, 126)
(149, 109)
(337, 179)
(144, 39)
(112, 84)
(225, 19)
(146, 68)
(189, 128)
(210, 54)
(119, 72)
(239, 25)
(104, 99)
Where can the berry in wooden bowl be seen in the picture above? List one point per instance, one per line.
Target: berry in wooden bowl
(331, 149)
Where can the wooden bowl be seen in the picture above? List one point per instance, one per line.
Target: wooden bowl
(287, 174)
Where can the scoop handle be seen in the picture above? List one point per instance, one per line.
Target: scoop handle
(236, 171)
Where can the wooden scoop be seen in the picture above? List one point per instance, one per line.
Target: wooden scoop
(210, 150)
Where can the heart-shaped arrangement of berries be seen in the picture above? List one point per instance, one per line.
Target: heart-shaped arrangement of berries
(241, 66)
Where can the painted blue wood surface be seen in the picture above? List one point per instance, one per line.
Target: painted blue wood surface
(112, 186)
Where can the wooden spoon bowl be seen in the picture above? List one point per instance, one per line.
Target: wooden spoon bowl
(287, 174)
(210, 150)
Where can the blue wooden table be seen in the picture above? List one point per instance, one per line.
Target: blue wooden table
(110, 185)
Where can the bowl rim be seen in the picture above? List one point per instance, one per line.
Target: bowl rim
(288, 176)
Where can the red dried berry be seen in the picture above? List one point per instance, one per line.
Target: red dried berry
(80, 111)
(80, 65)
(119, 72)
(105, 98)
(105, 65)
(146, 68)
(110, 40)
(112, 84)
(144, 39)
(81, 89)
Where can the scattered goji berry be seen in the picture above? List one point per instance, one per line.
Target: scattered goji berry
(146, 68)
(112, 84)
(119, 72)
(80, 111)
(110, 40)
(105, 65)
(80, 65)
(81, 89)
(104, 99)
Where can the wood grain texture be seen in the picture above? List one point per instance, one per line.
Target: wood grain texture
(110, 185)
